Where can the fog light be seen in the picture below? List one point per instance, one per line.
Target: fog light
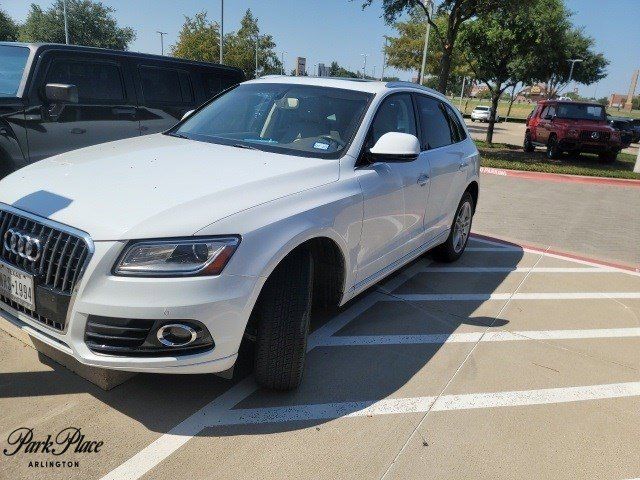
(176, 335)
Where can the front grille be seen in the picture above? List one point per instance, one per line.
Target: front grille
(602, 136)
(59, 266)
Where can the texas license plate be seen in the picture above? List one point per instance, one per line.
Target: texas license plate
(17, 286)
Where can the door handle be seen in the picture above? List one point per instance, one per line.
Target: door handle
(124, 111)
(78, 131)
(423, 179)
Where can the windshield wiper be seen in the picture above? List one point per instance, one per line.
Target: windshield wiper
(248, 147)
(178, 135)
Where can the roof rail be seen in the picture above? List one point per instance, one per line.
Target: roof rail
(399, 83)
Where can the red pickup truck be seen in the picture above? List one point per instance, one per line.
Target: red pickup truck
(575, 127)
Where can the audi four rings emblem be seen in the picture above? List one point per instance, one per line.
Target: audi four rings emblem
(22, 244)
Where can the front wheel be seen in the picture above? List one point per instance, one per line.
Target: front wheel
(553, 149)
(453, 248)
(283, 312)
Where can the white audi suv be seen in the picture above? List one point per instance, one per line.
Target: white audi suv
(164, 252)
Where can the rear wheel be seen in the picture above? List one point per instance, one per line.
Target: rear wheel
(453, 248)
(283, 312)
(527, 145)
(553, 149)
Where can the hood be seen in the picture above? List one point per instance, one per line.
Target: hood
(157, 185)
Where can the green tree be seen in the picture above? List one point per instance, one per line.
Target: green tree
(90, 23)
(240, 48)
(336, 70)
(502, 48)
(199, 39)
(8, 28)
(454, 12)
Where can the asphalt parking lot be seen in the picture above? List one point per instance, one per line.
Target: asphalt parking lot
(511, 363)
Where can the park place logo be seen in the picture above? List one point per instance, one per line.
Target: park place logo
(71, 441)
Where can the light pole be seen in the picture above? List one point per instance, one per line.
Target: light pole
(384, 58)
(573, 61)
(162, 34)
(464, 79)
(429, 5)
(257, 46)
(66, 23)
(373, 74)
(282, 63)
(221, 27)
(364, 67)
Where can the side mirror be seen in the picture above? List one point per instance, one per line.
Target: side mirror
(395, 146)
(61, 93)
(188, 114)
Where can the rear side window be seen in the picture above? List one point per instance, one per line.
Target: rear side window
(458, 132)
(434, 123)
(166, 85)
(96, 81)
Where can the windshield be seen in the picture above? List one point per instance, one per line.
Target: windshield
(483, 109)
(284, 118)
(577, 111)
(12, 63)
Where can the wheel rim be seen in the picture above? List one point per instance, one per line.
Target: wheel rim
(462, 227)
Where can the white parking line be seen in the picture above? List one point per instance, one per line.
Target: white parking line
(480, 297)
(389, 406)
(519, 270)
(472, 337)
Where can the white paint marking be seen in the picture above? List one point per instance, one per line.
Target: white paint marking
(519, 270)
(480, 297)
(389, 406)
(472, 337)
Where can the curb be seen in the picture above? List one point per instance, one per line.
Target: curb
(559, 253)
(561, 177)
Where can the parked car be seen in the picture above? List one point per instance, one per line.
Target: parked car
(56, 98)
(635, 124)
(162, 253)
(573, 127)
(482, 114)
(624, 127)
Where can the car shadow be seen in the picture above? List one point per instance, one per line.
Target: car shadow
(355, 375)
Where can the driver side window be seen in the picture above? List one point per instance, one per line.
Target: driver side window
(395, 114)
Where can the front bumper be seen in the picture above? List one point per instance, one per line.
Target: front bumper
(589, 147)
(223, 304)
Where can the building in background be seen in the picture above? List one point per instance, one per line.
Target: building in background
(617, 100)
(323, 70)
(532, 93)
(301, 66)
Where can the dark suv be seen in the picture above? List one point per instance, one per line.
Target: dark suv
(55, 98)
(575, 127)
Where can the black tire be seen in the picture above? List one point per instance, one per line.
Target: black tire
(608, 157)
(527, 145)
(447, 252)
(553, 149)
(283, 311)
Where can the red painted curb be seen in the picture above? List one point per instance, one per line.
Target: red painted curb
(561, 178)
(572, 256)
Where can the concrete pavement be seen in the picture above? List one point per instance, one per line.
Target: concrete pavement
(510, 363)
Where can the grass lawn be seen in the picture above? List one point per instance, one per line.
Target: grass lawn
(500, 155)
(521, 110)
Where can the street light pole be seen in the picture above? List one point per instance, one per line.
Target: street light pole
(162, 34)
(429, 5)
(573, 61)
(464, 79)
(221, 28)
(364, 67)
(66, 23)
(384, 58)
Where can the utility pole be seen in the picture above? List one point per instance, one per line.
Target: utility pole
(573, 61)
(162, 34)
(384, 58)
(364, 67)
(282, 63)
(257, 46)
(464, 79)
(429, 5)
(66, 23)
(221, 28)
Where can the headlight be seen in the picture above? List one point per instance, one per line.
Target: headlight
(176, 257)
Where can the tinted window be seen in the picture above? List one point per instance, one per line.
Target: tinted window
(434, 123)
(165, 85)
(394, 115)
(458, 132)
(580, 111)
(285, 118)
(95, 81)
(12, 63)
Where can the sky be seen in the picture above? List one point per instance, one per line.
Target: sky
(326, 30)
